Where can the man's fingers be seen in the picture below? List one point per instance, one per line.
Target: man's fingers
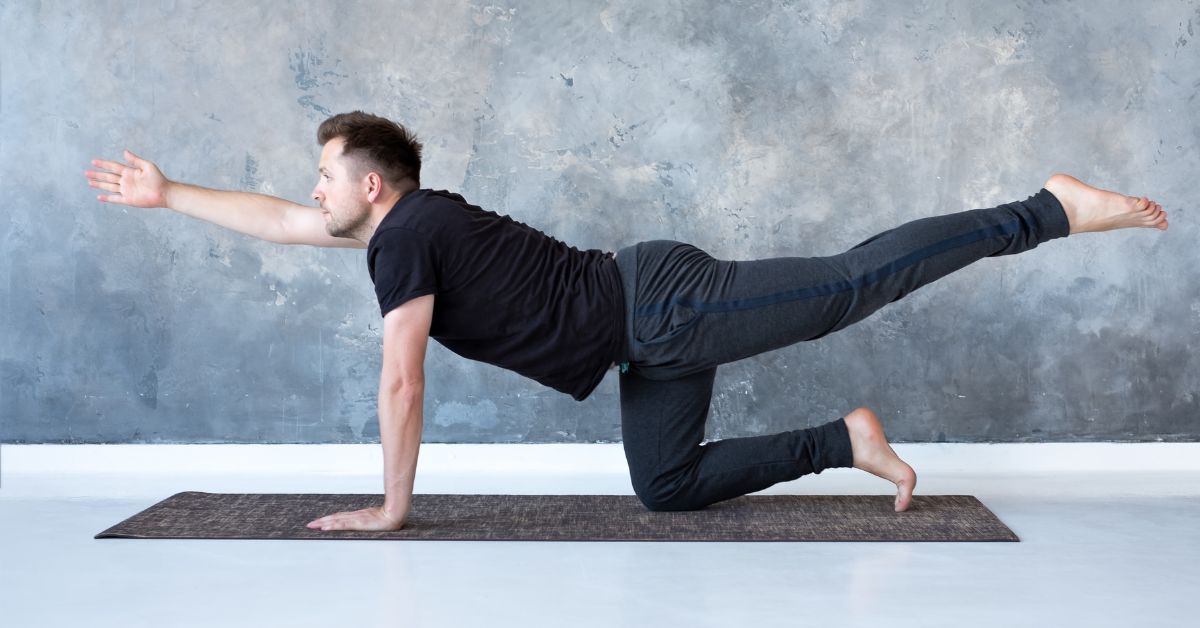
(339, 521)
(326, 520)
(102, 176)
(111, 187)
(110, 165)
(134, 159)
(111, 198)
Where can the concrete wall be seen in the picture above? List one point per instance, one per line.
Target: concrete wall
(751, 129)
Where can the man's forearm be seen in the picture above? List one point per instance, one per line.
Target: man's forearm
(254, 214)
(400, 424)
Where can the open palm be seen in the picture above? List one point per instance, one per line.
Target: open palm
(137, 184)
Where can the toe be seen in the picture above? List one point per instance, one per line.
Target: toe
(905, 488)
(903, 498)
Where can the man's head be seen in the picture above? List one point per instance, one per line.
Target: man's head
(367, 163)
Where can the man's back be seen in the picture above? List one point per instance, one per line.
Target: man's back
(507, 294)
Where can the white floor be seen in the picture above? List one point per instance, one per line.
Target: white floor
(1119, 549)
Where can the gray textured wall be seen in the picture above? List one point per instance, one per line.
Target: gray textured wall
(751, 129)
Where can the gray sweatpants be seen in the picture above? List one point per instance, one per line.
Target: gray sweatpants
(686, 313)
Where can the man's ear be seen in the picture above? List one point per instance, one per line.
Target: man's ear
(374, 186)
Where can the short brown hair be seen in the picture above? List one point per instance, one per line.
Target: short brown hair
(375, 143)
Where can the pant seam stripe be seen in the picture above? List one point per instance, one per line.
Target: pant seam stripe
(838, 286)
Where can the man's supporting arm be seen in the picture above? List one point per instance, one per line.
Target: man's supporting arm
(400, 424)
(402, 395)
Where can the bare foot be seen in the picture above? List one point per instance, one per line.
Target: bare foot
(873, 454)
(1093, 209)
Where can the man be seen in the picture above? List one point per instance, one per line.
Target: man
(665, 311)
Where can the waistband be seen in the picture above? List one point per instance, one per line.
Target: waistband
(627, 269)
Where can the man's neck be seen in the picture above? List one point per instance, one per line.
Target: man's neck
(380, 209)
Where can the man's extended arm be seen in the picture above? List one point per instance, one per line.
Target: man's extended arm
(251, 213)
(141, 184)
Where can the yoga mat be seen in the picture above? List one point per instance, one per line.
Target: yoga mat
(467, 517)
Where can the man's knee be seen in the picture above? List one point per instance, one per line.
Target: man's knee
(665, 505)
(663, 494)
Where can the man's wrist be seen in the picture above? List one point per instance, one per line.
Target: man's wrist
(398, 499)
(168, 191)
(396, 509)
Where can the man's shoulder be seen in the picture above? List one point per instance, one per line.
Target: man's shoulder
(454, 196)
(438, 203)
(427, 212)
(431, 196)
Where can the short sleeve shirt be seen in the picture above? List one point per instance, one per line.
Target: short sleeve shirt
(507, 294)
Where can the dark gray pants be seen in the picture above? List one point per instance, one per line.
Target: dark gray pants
(686, 313)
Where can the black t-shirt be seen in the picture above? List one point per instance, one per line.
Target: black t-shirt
(507, 294)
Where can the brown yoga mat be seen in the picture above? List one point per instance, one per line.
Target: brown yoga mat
(455, 517)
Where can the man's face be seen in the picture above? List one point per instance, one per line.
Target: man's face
(343, 200)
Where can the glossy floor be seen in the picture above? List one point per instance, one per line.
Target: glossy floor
(1095, 550)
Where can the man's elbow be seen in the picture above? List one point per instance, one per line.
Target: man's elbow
(404, 388)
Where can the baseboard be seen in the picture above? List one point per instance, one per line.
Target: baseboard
(145, 470)
(556, 458)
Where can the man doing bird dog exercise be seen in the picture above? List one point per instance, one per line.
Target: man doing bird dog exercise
(493, 289)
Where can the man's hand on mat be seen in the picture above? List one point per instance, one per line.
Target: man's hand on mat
(374, 518)
(139, 184)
